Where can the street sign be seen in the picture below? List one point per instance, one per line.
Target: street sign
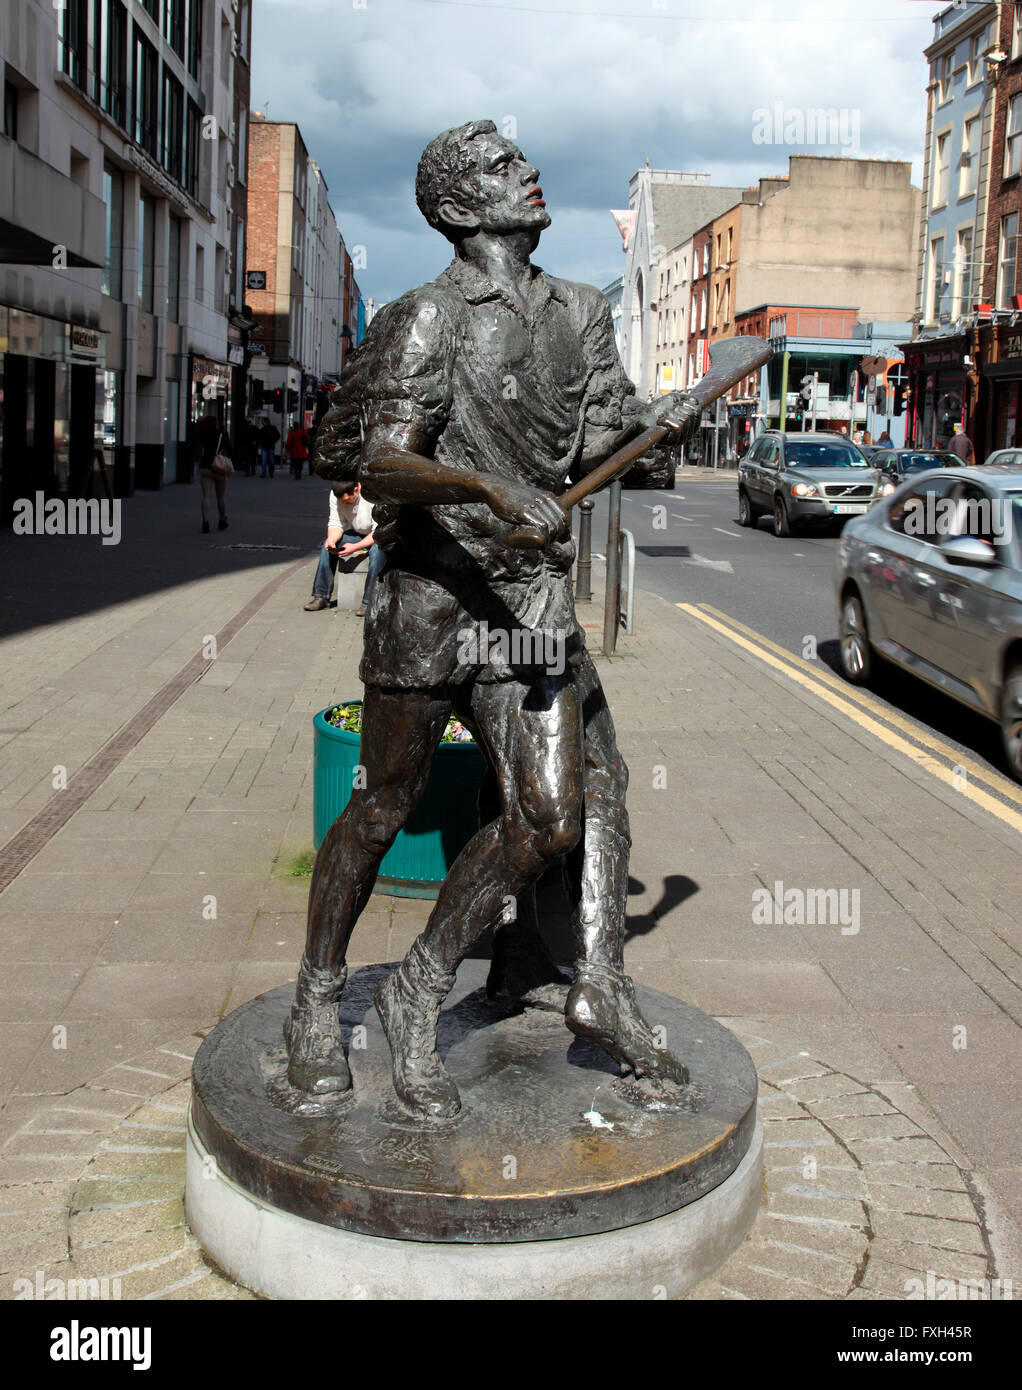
(255, 279)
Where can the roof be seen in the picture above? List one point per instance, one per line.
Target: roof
(681, 209)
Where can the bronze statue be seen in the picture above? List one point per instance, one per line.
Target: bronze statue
(469, 405)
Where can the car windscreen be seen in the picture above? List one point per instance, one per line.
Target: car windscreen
(819, 453)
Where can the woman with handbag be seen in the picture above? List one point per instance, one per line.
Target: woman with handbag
(215, 467)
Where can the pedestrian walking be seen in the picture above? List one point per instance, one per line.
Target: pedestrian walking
(350, 530)
(215, 467)
(885, 441)
(961, 445)
(296, 446)
(266, 440)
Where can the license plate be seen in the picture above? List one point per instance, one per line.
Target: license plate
(848, 508)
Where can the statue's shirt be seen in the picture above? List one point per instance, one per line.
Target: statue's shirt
(461, 371)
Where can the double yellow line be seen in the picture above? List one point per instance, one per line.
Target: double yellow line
(955, 769)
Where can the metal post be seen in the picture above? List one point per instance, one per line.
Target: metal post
(612, 598)
(816, 387)
(716, 432)
(584, 565)
(784, 390)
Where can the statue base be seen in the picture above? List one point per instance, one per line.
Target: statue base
(559, 1179)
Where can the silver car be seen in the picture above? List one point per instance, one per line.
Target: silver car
(931, 579)
(812, 478)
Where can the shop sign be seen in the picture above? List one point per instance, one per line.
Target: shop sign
(84, 342)
(1012, 347)
(235, 354)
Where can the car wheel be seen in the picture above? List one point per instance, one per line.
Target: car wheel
(1011, 721)
(746, 515)
(782, 526)
(856, 653)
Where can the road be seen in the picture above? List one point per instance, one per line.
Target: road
(690, 549)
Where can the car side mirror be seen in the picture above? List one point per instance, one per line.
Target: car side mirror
(967, 550)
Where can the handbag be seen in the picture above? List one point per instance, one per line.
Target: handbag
(221, 463)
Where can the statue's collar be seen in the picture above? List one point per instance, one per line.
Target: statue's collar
(476, 287)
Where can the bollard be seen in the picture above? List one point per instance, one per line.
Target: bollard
(612, 599)
(584, 564)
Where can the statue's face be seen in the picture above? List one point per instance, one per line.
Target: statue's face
(504, 196)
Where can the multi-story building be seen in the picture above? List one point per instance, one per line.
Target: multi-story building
(301, 288)
(115, 206)
(614, 294)
(962, 181)
(665, 207)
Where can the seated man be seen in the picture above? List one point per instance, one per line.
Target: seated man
(350, 532)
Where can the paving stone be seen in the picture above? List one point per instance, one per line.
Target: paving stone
(964, 1236)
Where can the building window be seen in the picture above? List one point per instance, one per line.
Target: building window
(941, 169)
(200, 275)
(963, 268)
(977, 44)
(936, 285)
(172, 134)
(74, 19)
(239, 261)
(1007, 256)
(146, 250)
(243, 29)
(152, 7)
(146, 95)
(10, 109)
(1013, 137)
(174, 25)
(192, 136)
(1016, 32)
(113, 197)
(220, 280)
(225, 51)
(944, 77)
(194, 37)
(968, 169)
(174, 243)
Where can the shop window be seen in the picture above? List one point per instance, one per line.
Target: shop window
(1013, 138)
(1007, 255)
(113, 197)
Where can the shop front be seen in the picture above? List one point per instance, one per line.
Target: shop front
(1003, 380)
(210, 394)
(938, 391)
(58, 403)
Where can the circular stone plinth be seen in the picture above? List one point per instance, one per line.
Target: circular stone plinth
(550, 1143)
(286, 1257)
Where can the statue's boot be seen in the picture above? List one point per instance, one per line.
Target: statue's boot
(408, 1003)
(522, 970)
(602, 1008)
(312, 1032)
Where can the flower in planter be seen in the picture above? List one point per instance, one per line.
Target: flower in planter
(349, 717)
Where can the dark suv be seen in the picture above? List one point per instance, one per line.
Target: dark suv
(803, 478)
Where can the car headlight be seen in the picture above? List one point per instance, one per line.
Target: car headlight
(804, 490)
(885, 489)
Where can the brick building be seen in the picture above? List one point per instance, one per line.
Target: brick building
(301, 287)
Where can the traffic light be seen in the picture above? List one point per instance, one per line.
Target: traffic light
(881, 403)
(292, 400)
(900, 397)
(277, 397)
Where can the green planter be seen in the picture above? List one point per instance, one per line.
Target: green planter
(443, 822)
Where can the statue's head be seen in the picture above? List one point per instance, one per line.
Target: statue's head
(472, 179)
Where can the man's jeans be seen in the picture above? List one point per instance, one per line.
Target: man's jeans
(323, 584)
(267, 460)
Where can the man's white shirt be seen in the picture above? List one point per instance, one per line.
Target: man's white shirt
(351, 516)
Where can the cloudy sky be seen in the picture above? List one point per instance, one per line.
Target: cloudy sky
(590, 89)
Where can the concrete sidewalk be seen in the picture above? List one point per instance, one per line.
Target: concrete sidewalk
(168, 899)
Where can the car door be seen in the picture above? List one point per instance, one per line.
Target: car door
(975, 607)
(748, 470)
(768, 465)
(901, 567)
